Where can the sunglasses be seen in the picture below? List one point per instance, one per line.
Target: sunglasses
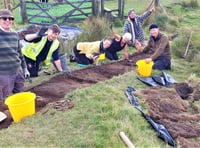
(7, 18)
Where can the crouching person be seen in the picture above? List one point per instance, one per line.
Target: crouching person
(159, 48)
(42, 47)
(88, 52)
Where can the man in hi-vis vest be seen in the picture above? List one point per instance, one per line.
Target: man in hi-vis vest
(42, 47)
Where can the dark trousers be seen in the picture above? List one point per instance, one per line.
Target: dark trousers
(10, 84)
(81, 58)
(111, 55)
(162, 63)
(32, 66)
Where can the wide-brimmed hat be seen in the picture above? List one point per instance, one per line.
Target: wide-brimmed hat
(5, 13)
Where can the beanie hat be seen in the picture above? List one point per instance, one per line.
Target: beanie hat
(131, 10)
(153, 26)
(5, 13)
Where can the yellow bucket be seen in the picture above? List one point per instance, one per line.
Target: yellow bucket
(144, 69)
(21, 105)
(102, 56)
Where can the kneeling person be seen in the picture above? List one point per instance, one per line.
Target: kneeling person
(88, 52)
(159, 48)
(42, 48)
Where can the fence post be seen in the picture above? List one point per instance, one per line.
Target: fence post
(102, 7)
(7, 4)
(95, 7)
(23, 11)
(120, 8)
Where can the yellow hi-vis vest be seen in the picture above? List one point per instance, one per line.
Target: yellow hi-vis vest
(32, 50)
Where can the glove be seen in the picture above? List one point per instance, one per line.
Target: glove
(129, 61)
(26, 73)
(95, 56)
(42, 31)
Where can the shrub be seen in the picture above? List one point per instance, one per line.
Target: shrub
(179, 44)
(192, 4)
(94, 29)
(161, 20)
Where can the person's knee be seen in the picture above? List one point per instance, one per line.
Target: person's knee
(158, 66)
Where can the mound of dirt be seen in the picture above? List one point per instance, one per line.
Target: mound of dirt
(178, 115)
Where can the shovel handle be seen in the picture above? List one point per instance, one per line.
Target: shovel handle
(126, 140)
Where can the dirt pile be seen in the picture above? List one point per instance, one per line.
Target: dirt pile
(174, 108)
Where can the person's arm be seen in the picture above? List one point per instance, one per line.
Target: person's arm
(93, 51)
(126, 28)
(115, 35)
(40, 34)
(126, 52)
(23, 63)
(30, 37)
(58, 65)
(146, 14)
(160, 49)
(147, 47)
(56, 59)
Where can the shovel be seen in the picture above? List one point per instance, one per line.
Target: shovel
(2, 116)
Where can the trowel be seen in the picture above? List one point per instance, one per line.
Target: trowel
(2, 116)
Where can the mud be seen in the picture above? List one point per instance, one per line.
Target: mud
(173, 107)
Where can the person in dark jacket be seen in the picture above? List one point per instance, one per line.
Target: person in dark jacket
(133, 25)
(159, 48)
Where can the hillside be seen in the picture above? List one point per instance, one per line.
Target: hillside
(99, 109)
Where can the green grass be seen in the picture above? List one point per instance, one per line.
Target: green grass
(102, 110)
(96, 120)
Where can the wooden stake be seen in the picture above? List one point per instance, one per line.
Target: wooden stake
(187, 48)
(126, 140)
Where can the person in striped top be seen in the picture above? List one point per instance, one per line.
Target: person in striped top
(12, 63)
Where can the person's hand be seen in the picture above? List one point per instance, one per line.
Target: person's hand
(26, 73)
(152, 10)
(129, 60)
(95, 56)
(148, 60)
(42, 31)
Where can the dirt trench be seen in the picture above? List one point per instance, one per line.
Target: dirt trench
(166, 106)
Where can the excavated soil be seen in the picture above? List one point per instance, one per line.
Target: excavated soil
(172, 106)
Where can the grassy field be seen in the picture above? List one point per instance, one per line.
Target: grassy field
(102, 110)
